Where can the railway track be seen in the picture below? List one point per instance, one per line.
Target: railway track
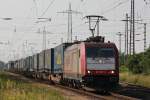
(91, 95)
(98, 96)
(130, 85)
(133, 90)
(130, 92)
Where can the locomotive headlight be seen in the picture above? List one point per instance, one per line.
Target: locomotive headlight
(112, 72)
(89, 72)
(100, 61)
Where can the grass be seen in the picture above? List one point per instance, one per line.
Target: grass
(137, 79)
(11, 89)
(123, 69)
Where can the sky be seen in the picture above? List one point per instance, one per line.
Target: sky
(22, 36)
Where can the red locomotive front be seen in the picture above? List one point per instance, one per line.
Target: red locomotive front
(101, 65)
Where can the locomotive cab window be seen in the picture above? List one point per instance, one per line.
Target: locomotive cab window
(100, 58)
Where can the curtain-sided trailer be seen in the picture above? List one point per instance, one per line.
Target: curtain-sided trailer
(43, 64)
(11, 65)
(59, 57)
(36, 63)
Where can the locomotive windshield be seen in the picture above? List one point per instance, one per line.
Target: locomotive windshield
(100, 58)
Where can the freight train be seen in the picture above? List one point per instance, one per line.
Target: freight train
(92, 63)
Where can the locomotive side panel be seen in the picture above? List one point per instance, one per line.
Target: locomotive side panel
(72, 69)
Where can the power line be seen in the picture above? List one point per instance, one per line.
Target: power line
(70, 12)
(36, 7)
(132, 28)
(116, 6)
(79, 5)
(147, 2)
(50, 4)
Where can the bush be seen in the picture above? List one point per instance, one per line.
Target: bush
(145, 62)
(139, 63)
(134, 64)
(123, 69)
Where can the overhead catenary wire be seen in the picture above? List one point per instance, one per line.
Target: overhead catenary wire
(50, 4)
(114, 7)
(147, 2)
(37, 12)
(36, 7)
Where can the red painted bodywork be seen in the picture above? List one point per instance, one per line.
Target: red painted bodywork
(102, 72)
(82, 59)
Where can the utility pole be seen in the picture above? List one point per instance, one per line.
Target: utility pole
(44, 38)
(132, 28)
(70, 12)
(127, 20)
(144, 36)
(127, 30)
(23, 49)
(126, 38)
(120, 35)
(44, 31)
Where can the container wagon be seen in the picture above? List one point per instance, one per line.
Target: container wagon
(35, 65)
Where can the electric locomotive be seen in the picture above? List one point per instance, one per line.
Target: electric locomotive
(91, 64)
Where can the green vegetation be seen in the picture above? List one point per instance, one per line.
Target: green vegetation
(137, 69)
(139, 63)
(123, 69)
(137, 79)
(13, 89)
